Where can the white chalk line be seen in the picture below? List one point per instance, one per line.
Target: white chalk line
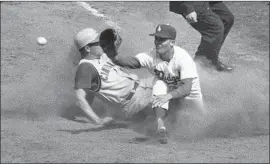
(95, 12)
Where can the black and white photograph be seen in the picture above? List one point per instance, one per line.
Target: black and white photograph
(134, 81)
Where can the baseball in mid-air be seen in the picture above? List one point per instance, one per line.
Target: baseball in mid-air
(41, 41)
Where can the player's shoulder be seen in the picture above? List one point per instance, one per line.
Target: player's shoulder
(84, 65)
(84, 68)
(181, 53)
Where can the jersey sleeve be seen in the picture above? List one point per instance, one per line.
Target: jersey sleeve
(187, 66)
(86, 77)
(145, 60)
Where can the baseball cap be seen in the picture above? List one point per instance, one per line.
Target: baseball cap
(165, 31)
(86, 36)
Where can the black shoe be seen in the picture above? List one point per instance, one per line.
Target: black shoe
(222, 67)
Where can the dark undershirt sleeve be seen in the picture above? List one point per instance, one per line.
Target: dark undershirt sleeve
(183, 7)
(127, 61)
(86, 77)
(183, 89)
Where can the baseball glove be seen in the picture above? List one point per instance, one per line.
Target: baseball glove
(110, 41)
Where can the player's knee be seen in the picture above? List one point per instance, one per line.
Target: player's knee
(214, 35)
(161, 112)
(160, 88)
(219, 31)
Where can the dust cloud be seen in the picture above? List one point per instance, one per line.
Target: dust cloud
(237, 104)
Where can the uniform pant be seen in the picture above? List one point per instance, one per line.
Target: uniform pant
(150, 87)
(214, 26)
(141, 99)
(186, 103)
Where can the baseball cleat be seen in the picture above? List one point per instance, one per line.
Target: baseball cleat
(222, 67)
(162, 136)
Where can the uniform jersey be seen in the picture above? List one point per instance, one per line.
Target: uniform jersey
(180, 67)
(113, 82)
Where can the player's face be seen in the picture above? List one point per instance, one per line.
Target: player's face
(94, 49)
(163, 46)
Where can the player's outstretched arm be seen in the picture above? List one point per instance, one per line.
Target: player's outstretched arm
(86, 107)
(141, 60)
(127, 62)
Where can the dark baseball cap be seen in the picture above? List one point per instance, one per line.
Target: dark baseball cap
(165, 31)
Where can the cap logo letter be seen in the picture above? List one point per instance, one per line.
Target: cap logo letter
(159, 28)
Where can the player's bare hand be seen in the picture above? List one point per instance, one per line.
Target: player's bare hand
(161, 100)
(192, 17)
(107, 121)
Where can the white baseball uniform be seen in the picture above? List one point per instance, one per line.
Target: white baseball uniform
(114, 84)
(169, 74)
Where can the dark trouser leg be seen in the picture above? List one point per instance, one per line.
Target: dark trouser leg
(211, 29)
(226, 17)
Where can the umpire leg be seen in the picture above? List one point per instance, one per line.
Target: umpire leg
(211, 29)
(225, 15)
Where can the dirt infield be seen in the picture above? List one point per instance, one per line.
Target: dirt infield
(40, 121)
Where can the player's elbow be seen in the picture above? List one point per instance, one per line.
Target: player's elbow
(187, 86)
(80, 95)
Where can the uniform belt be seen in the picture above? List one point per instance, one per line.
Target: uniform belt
(132, 92)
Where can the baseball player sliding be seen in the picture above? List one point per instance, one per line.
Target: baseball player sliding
(98, 76)
(175, 72)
